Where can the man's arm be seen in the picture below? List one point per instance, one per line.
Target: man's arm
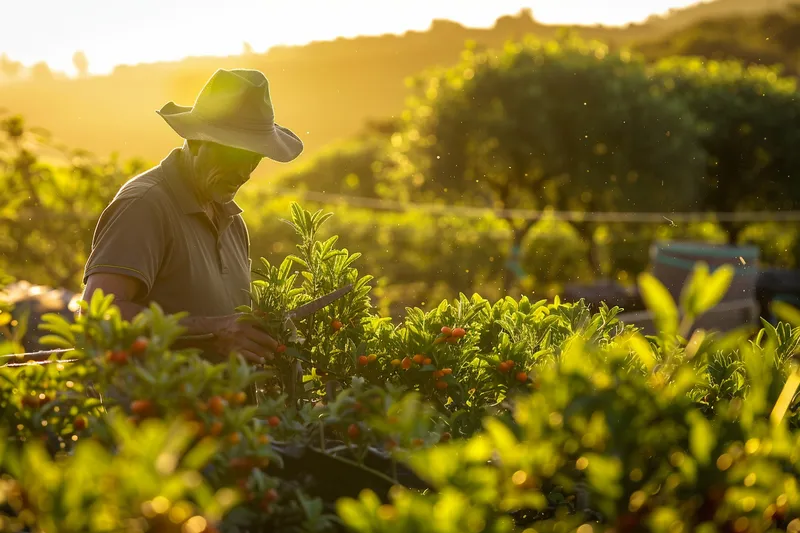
(228, 332)
(125, 290)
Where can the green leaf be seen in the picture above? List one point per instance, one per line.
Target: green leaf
(713, 289)
(659, 302)
(786, 312)
(200, 454)
(701, 437)
(504, 440)
(55, 341)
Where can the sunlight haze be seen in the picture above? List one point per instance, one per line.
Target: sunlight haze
(112, 32)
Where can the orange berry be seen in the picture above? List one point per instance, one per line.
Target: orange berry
(240, 397)
(510, 364)
(240, 463)
(142, 407)
(452, 340)
(274, 421)
(396, 362)
(216, 428)
(140, 344)
(439, 340)
(216, 405)
(353, 431)
(419, 358)
(522, 377)
(363, 360)
(372, 357)
(438, 374)
(447, 331)
(447, 371)
(270, 496)
(503, 367)
(119, 357)
(281, 348)
(406, 363)
(427, 361)
(263, 439)
(80, 423)
(459, 332)
(336, 325)
(441, 385)
(235, 438)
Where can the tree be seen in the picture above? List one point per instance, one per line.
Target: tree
(749, 118)
(41, 72)
(8, 67)
(563, 124)
(48, 213)
(81, 63)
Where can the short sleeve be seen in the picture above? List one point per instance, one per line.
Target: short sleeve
(130, 239)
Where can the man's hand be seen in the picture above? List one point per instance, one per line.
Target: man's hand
(236, 333)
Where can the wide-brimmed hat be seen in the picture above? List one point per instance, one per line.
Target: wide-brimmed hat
(234, 109)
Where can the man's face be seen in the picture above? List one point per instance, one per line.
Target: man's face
(220, 171)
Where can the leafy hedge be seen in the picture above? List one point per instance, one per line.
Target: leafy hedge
(474, 416)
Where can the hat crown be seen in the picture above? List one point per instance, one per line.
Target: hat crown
(236, 97)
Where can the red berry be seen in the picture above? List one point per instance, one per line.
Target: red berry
(281, 348)
(522, 377)
(80, 423)
(353, 431)
(274, 421)
(216, 405)
(447, 331)
(459, 332)
(363, 360)
(336, 325)
(140, 345)
(270, 496)
(142, 407)
(119, 357)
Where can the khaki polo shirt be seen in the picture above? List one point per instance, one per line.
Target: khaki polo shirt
(156, 231)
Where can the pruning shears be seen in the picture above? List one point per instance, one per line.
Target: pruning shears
(309, 309)
(301, 312)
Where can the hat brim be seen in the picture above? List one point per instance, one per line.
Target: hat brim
(277, 143)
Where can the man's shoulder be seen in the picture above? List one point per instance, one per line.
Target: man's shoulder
(149, 186)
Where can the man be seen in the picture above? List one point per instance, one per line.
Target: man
(174, 235)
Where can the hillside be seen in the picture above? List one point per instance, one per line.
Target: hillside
(325, 90)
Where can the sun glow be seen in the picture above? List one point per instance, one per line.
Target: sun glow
(112, 32)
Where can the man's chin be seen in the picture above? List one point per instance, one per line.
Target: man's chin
(224, 198)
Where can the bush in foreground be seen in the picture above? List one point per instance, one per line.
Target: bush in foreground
(475, 416)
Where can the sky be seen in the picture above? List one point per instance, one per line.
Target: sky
(112, 32)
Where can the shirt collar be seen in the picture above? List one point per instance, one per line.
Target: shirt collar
(186, 196)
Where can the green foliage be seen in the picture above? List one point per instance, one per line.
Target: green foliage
(48, 212)
(747, 115)
(561, 123)
(512, 413)
(769, 39)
